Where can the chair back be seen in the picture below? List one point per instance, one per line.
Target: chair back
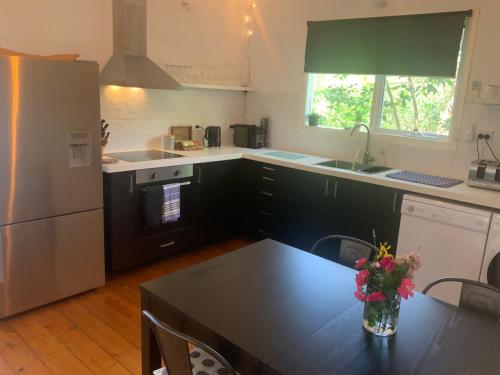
(475, 296)
(174, 349)
(493, 273)
(347, 249)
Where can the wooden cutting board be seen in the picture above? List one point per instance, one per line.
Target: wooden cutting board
(63, 57)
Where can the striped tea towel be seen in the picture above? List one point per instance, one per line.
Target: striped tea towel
(171, 203)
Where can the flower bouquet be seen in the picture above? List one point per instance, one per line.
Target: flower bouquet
(380, 285)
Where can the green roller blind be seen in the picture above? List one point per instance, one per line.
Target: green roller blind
(415, 45)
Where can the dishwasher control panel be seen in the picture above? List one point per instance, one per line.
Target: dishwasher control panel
(451, 216)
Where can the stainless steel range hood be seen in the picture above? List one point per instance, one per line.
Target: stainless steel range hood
(129, 66)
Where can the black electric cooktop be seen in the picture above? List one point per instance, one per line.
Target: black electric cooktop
(143, 155)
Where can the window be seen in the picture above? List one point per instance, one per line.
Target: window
(397, 74)
(403, 105)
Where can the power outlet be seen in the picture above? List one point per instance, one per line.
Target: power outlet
(491, 133)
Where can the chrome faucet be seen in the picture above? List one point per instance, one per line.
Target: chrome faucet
(366, 156)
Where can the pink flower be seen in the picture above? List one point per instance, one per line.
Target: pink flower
(362, 277)
(360, 263)
(375, 297)
(406, 288)
(388, 264)
(360, 295)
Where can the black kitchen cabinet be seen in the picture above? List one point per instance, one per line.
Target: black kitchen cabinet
(388, 215)
(128, 240)
(119, 219)
(256, 199)
(352, 207)
(305, 214)
(215, 200)
(298, 207)
(262, 200)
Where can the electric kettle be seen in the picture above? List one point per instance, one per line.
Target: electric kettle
(213, 136)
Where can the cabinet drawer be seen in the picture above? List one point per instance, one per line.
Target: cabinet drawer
(262, 173)
(163, 244)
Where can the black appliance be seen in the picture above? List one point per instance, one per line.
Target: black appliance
(149, 204)
(250, 136)
(213, 136)
(143, 155)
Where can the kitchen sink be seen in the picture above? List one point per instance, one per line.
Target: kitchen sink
(357, 167)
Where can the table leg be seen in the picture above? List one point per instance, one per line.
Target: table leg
(151, 357)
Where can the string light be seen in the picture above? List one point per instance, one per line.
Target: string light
(248, 32)
(251, 4)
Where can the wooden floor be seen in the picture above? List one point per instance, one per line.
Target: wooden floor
(97, 332)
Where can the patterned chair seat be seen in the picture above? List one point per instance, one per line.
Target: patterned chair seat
(202, 363)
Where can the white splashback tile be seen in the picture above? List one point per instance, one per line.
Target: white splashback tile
(139, 117)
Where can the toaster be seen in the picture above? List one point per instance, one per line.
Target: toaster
(484, 174)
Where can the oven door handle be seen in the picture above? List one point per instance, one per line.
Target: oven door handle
(180, 184)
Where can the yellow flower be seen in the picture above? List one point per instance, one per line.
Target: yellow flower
(384, 251)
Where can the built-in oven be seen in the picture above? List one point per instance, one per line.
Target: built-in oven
(164, 201)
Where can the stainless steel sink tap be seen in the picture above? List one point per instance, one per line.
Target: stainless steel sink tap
(366, 156)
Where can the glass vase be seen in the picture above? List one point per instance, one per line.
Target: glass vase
(381, 318)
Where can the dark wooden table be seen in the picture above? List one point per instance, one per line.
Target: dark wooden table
(272, 309)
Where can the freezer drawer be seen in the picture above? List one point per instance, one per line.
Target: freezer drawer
(49, 259)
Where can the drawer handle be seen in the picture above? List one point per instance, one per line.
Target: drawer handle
(131, 186)
(394, 202)
(268, 168)
(263, 232)
(168, 244)
(327, 187)
(268, 179)
(198, 181)
(265, 213)
(267, 194)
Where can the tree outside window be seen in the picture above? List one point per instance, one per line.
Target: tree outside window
(413, 106)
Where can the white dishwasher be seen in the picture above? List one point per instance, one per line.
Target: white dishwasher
(449, 237)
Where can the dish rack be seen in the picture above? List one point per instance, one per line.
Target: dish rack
(214, 75)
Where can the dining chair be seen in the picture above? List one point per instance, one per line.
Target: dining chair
(178, 359)
(493, 272)
(474, 295)
(347, 250)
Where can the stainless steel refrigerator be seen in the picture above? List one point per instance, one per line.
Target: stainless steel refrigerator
(51, 217)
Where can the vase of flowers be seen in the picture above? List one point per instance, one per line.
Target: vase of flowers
(381, 283)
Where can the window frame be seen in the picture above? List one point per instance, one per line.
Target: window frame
(378, 98)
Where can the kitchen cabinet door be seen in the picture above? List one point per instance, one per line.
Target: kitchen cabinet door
(304, 212)
(119, 219)
(388, 216)
(215, 195)
(352, 208)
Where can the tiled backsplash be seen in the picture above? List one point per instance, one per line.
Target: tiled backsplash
(138, 117)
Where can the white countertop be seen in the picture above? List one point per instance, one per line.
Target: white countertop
(460, 193)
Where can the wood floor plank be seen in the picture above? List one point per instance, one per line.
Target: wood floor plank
(18, 355)
(129, 328)
(56, 357)
(115, 344)
(5, 369)
(93, 356)
(97, 332)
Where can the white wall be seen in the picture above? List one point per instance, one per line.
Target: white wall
(211, 33)
(277, 54)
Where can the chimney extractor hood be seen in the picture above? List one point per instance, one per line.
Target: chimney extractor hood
(129, 66)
